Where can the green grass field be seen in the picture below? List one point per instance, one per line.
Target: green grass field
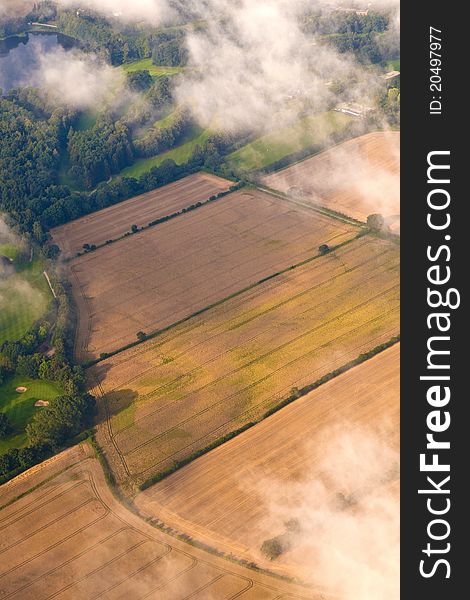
(20, 407)
(314, 129)
(393, 65)
(180, 154)
(146, 64)
(24, 298)
(9, 250)
(167, 120)
(86, 120)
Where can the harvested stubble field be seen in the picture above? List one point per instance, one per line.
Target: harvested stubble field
(226, 497)
(193, 384)
(64, 535)
(356, 178)
(114, 221)
(154, 278)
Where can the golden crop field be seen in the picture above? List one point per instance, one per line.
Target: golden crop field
(163, 274)
(366, 177)
(114, 221)
(186, 388)
(64, 535)
(225, 497)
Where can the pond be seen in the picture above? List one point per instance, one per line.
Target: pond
(19, 56)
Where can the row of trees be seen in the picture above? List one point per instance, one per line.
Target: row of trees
(209, 155)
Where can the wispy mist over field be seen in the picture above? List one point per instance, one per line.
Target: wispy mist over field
(7, 235)
(254, 67)
(347, 515)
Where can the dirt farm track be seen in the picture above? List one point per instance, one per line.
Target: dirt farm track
(63, 535)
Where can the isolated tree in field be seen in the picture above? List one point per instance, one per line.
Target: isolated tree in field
(141, 336)
(272, 548)
(134, 229)
(5, 425)
(375, 222)
(324, 249)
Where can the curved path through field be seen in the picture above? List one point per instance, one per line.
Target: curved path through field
(65, 536)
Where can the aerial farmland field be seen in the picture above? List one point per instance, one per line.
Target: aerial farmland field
(199, 381)
(64, 535)
(114, 221)
(158, 276)
(226, 505)
(366, 177)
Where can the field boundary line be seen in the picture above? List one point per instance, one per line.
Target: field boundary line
(215, 332)
(295, 396)
(203, 310)
(328, 212)
(246, 413)
(253, 361)
(199, 204)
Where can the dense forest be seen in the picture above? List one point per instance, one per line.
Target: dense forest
(124, 44)
(34, 141)
(159, 139)
(97, 153)
(350, 31)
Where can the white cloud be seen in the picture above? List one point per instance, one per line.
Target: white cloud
(152, 11)
(76, 79)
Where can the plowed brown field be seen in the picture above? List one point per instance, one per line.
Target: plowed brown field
(356, 178)
(114, 221)
(64, 535)
(177, 393)
(156, 277)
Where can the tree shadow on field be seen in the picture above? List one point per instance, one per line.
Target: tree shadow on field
(96, 374)
(120, 400)
(115, 401)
